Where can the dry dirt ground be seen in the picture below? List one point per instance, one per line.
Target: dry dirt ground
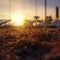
(29, 44)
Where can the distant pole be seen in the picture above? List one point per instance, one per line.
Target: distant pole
(36, 7)
(9, 9)
(36, 13)
(57, 12)
(24, 7)
(45, 9)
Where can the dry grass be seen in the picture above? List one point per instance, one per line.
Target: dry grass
(28, 44)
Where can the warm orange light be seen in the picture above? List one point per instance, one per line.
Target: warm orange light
(18, 20)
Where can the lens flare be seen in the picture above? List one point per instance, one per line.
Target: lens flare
(18, 20)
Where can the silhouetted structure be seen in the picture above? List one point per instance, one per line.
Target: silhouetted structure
(45, 9)
(36, 17)
(57, 12)
(5, 22)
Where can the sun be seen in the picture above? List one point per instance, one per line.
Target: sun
(18, 20)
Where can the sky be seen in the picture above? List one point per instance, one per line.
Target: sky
(28, 9)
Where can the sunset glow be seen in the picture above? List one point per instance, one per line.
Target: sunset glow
(18, 20)
(28, 8)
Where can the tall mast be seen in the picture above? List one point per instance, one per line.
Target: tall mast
(36, 17)
(45, 9)
(24, 7)
(36, 7)
(9, 9)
